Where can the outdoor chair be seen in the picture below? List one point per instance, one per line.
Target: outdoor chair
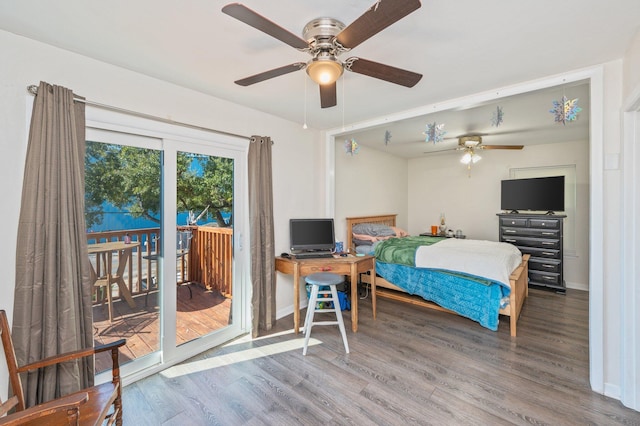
(183, 245)
(89, 406)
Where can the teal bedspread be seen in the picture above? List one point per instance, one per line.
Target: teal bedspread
(473, 297)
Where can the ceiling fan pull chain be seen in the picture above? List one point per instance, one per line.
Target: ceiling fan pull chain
(304, 125)
(343, 101)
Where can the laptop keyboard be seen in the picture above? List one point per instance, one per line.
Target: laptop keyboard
(313, 255)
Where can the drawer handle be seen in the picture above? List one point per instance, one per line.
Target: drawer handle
(548, 233)
(509, 231)
(325, 268)
(547, 243)
(549, 278)
(547, 253)
(548, 266)
(510, 241)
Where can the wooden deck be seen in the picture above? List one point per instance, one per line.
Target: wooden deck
(206, 311)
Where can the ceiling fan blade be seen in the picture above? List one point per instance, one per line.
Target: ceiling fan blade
(501, 147)
(379, 16)
(328, 97)
(257, 21)
(257, 78)
(440, 150)
(382, 71)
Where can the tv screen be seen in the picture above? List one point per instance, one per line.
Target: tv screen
(311, 234)
(534, 194)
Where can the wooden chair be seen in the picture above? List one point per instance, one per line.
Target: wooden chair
(91, 406)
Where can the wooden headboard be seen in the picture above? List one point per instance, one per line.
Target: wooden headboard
(385, 219)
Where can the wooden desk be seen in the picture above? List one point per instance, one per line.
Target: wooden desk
(124, 255)
(350, 265)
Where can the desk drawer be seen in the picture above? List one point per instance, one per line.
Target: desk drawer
(336, 268)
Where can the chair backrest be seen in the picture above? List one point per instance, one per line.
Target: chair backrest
(12, 364)
(183, 241)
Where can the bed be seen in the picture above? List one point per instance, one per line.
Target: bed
(476, 297)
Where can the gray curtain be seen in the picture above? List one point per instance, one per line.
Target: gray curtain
(52, 308)
(263, 275)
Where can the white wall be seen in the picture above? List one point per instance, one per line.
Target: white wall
(369, 182)
(470, 200)
(296, 170)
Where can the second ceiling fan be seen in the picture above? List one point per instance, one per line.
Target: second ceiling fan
(472, 143)
(325, 39)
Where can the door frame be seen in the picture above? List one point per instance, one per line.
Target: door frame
(173, 138)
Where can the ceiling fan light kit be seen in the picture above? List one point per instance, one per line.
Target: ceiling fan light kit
(470, 157)
(327, 38)
(324, 69)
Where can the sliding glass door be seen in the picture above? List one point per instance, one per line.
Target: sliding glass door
(168, 274)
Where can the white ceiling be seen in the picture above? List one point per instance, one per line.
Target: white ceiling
(527, 119)
(461, 47)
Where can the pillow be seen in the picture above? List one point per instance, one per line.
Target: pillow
(373, 229)
(364, 249)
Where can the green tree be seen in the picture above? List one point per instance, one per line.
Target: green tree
(129, 179)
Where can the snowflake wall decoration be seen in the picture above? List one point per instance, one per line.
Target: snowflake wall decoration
(434, 133)
(567, 110)
(498, 117)
(387, 137)
(351, 146)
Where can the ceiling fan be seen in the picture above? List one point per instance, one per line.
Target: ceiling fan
(472, 143)
(327, 38)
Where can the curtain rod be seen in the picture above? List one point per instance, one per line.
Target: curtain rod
(33, 89)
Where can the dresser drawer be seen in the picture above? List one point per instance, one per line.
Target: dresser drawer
(508, 221)
(545, 278)
(533, 242)
(540, 252)
(544, 223)
(530, 232)
(545, 265)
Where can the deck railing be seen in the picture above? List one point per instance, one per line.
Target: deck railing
(208, 262)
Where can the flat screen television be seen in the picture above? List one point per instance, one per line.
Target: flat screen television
(533, 194)
(311, 235)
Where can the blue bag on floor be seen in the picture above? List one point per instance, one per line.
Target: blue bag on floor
(345, 303)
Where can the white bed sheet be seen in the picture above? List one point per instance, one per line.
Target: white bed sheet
(488, 259)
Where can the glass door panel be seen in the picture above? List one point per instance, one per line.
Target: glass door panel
(122, 215)
(203, 244)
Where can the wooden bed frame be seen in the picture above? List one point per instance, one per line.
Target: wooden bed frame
(518, 278)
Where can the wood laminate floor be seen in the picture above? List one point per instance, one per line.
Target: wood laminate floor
(410, 366)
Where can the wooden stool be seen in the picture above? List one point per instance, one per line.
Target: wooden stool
(318, 280)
